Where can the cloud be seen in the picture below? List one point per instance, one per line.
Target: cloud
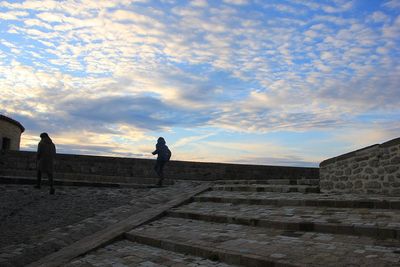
(236, 2)
(143, 112)
(394, 4)
(104, 65)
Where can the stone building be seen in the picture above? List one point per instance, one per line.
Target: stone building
(10, 133)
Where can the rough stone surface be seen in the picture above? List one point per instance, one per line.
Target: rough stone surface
(22, 206)
(374, 169)
(126, 254)
(68, 216)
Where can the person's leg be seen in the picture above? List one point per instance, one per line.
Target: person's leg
(157, 168)
(38, 179)
(161, 172)
(50, 177)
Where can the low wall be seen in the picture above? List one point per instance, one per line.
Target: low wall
(374, 169)
(15, 162)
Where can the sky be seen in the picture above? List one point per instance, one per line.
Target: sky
(288, 82)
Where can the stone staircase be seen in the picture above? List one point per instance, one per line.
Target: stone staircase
(265, 223)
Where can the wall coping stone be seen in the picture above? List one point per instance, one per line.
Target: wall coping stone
(99, 158)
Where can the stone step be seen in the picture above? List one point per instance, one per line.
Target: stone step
(87, 177)
(299, 199)
(257, 246)
(128, 253)
(267, 188)
(271, 182)
(362, 222)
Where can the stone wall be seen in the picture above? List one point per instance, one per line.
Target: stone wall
(22, 163)
(374, 169)
(10, 130)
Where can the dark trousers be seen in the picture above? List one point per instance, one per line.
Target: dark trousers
(159, 168)
(39, 178)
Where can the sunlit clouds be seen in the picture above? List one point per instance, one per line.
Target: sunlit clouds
(265, 82)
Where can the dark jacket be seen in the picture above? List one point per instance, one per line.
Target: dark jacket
(45, 155)
(162, 150)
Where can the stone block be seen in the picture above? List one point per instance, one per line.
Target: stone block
(391, 169)
(349, 185)
(340, 185)
(369, 170)
(372, 185)
(363, 158)
(374, 177)
(396, 191)
(395, 184)
(357, 171)
(326, 185)
(358, 184)
(339, 172)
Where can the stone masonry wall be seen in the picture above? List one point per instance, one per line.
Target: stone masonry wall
(12, 132)
(18, 163)
(374, 169)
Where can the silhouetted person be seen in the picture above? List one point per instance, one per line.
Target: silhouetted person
(45, 157)
(163, 156)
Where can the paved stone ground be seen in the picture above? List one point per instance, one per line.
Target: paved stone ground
(128, 254)
(35, 224)
(26, 212)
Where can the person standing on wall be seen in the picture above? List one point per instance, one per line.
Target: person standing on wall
(46, 153)
(163, 156)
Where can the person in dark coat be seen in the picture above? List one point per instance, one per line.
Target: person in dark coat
(45, 159)
(163, 156)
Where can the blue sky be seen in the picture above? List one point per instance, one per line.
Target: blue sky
(244, 81)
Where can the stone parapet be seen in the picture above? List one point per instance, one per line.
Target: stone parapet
(17, 161)
(373, 169)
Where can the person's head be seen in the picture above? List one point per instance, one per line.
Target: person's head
(44, 135)
(161, 140)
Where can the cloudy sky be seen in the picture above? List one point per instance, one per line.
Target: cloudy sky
(277, 82)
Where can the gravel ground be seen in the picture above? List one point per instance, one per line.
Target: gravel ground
(26, 212)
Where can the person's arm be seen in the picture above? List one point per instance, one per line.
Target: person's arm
(156, 151)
